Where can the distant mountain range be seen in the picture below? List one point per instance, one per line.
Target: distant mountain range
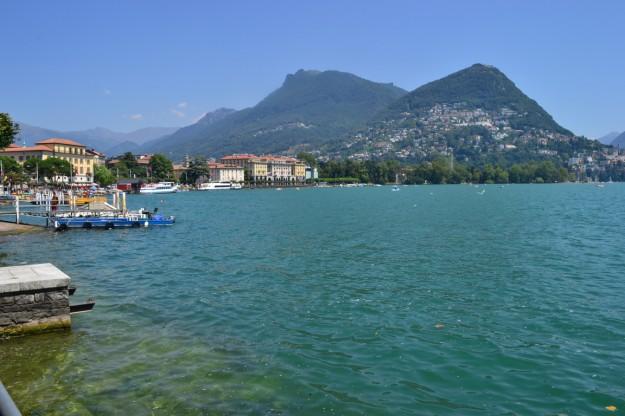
(104, 140)
(477, 114)
(308, 110)
(619, 141)
(609, 138)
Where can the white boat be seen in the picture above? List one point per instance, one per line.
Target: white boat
(395, 188)
(159, 188)
(218, 186)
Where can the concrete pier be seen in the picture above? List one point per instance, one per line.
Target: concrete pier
(33, 298)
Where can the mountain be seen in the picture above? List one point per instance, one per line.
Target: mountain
(104, 140)
(609, 138)
(309, 109)
(167, 143)
(477, 114)
(619, 141)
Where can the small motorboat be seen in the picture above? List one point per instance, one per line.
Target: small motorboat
(395, 188)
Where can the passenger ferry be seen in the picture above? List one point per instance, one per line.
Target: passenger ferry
(217, 186)
(159, 188)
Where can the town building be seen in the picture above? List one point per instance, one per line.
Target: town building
(81, 160)
(268, 168)
(311, 173)
(220, 172)
(180, 171)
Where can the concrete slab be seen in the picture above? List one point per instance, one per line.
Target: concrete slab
(31, 277)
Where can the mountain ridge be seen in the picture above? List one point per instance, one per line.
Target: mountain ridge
(619, 140)
(477, 114)
(309, 108)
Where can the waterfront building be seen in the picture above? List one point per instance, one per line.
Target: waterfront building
(81, 160)
(311, 173)
(98, 158)
(220, 172)
(268, 168)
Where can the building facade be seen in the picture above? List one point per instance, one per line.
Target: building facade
(269, 169)
(81, 160)
(220, 172)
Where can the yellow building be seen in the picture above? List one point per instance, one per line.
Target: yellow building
(268, 168)
(255, 166)
(81, 160)
(299, 170)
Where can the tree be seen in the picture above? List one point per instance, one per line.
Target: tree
(9, 165)
(53, 166)
(307, 158)
(103, 176)
(8, 130)
(197, 170)
(161, 167)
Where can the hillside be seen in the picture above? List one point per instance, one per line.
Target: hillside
(478, 114)
(309, 109)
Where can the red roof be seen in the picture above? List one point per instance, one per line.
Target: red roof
(58, 140)
(17, 149)
(236, 157)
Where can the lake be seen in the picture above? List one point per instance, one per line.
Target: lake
(431, 300)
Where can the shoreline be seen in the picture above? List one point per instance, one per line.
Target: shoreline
(10, 228)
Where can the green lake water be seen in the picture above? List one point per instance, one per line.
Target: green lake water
(434, 300)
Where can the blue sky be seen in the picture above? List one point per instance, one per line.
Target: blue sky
(131, 64)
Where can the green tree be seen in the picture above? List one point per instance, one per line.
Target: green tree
(8, 130)
(197, 170)
(53, 166)
(103, 176)
(10, 165)
(308, 158)
(161, 167)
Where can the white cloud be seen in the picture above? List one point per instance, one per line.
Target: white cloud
(136, 117)
(178, 113)
(182, 104)
(107, 92)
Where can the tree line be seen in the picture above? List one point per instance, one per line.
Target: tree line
(440, 171)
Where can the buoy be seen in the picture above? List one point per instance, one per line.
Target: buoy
(145, 224)
(611, 408)
(439, 326)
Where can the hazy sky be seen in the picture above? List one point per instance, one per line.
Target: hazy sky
(131, 64)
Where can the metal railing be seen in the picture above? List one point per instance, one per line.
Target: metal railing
(7, 406)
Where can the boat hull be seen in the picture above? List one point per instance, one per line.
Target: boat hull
(110, 222)
(158, 191)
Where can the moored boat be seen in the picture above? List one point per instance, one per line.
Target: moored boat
(217, 186)
(110, 220)
(159, 188)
